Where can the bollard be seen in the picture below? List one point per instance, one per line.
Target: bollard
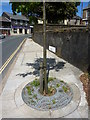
(41, 78)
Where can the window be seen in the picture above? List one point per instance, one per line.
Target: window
(16, 22)
(86, 14)
(15, 30)
(21, 22)
(26, 23)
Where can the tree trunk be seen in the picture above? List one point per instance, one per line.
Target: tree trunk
(44, 49)
(41, 78)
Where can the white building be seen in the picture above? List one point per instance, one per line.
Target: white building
(19, 23)
(86, 15)
(76, 20)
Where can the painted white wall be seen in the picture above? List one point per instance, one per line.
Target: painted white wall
(23, 31)
(40, 21)
(72, 22)
(86, 14)
(78, 22)
(28, 31)
(66, 22)
(11, 31)
(17, 31)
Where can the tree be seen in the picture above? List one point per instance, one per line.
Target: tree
(55, 11)
(44, 49)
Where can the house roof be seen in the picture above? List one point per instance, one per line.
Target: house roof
(87, 8)
(4, 19)
(77, 17)
(16, 17)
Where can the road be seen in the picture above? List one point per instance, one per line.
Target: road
(9, 45)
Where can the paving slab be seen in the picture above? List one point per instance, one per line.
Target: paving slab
(0, 107)
(24, 71)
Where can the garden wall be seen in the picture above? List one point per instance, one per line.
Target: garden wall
(71, 43)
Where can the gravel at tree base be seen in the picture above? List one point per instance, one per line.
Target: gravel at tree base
(33, 98)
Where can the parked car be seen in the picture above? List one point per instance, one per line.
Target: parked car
(2, 36)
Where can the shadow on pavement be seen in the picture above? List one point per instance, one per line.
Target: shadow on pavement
(51, 65)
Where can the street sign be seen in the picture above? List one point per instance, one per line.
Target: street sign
(53, 49)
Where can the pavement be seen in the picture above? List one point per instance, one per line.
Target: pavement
(25, 70)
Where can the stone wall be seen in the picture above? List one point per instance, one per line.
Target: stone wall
(71, 43)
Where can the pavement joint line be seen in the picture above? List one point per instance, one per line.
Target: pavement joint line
(23, 58)
(10, 58)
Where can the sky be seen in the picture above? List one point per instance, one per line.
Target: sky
(6, 7)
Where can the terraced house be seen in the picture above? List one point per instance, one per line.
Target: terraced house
(86, 15)
(5, 26)
(19, 23)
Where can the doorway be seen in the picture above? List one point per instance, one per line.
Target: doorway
(20, 30)
(25, 31)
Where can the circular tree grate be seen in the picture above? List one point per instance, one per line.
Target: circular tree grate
(32, 97)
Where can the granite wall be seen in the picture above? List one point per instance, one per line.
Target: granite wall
(71, 43)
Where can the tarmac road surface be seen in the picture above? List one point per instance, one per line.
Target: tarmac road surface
(8, 45)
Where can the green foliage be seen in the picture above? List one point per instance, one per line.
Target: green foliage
(35, 83)
(49, 106)
(53, 101)
(65, 89)
(50, 79)
(88, 75)
(55, 11)
(62, 81)
(58, 85)
(28, 87)
(29, 90)
(32, 89)
(32, 20)
(35, 96)
(51, 90)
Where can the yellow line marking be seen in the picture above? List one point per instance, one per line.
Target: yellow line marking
(10, 58)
